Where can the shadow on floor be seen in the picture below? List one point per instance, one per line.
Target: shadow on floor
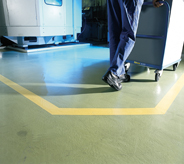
(93, 73)
(169, 70)
(86, 80)
(142, 80)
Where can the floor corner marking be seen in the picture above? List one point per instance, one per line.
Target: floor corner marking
(161, 107)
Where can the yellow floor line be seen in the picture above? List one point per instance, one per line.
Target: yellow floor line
(161, 108)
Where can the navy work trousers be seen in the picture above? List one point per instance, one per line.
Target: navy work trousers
(123, 18)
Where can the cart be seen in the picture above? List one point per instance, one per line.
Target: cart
(160, 37)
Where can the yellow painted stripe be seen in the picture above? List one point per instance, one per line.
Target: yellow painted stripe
(29, 95)
(161, 108)
(168, 99)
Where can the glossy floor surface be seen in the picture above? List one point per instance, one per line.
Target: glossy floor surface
(55, 109)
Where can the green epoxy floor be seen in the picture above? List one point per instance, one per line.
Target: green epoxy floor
(71, 78)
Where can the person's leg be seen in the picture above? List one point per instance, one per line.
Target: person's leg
(130, 11)
(123, 18)
(114, 26)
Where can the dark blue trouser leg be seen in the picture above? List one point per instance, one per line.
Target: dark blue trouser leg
(123, 17)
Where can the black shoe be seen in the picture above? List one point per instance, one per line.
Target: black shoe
(112, 80)
(124, 78)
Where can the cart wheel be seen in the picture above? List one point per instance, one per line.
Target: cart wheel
(157, 76)
(175, 66)
(127, 78)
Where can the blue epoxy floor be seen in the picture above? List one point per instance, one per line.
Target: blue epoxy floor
(71, 78)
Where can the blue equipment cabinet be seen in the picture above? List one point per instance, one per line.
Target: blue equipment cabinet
(160, 37)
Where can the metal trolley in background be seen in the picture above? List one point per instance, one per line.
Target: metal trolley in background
(160, 37)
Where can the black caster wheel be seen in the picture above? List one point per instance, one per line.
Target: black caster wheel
(157, 77)
(127, 77)
(175, 66)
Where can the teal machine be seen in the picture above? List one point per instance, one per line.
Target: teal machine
(39, 22)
